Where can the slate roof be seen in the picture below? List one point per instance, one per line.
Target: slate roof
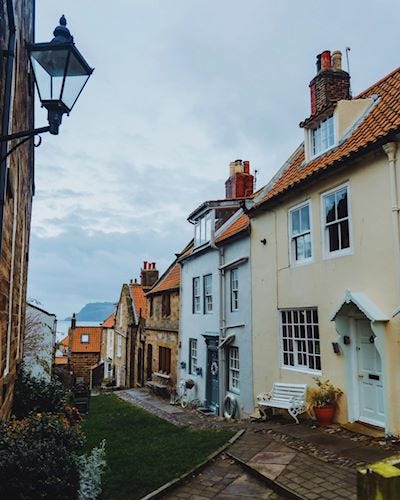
(383, 120)
(94, 344)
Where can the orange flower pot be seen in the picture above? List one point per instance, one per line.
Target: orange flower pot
(324, 414)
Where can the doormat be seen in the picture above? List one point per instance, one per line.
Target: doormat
(206, 411)
(365, 429)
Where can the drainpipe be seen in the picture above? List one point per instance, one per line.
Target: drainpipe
(222, 321)
(6, 118)
(222, 332)
(391, 151)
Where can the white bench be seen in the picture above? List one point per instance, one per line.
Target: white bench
(290, 397)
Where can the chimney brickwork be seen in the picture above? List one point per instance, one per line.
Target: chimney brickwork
(331, 84)
(148, 275)
(240, 183)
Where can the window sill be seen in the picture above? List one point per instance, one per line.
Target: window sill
(338, 253)
(236, 392)
(302, 370)
(300, 263)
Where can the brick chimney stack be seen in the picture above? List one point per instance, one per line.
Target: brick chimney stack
(331, 84)
(240, 183)
(148, 275)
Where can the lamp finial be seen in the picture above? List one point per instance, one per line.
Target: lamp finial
(61, 33)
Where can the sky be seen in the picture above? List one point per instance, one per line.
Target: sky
(180, 89)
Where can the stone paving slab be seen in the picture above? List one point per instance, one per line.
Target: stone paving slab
(222, 479)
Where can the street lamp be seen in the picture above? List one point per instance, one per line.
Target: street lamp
(61, 73)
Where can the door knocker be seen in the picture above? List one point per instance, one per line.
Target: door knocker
(214, 368)
(372, 339)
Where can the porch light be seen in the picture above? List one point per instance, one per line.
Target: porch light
(61, 73)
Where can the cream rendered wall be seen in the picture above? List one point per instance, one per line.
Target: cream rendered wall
(323, 282)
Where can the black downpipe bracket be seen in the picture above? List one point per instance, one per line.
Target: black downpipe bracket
(7, 110)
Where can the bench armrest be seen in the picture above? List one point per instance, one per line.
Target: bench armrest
(298, 402)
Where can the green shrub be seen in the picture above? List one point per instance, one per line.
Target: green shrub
(33, 395)
(38, 458)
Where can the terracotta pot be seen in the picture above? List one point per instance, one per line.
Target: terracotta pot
(324, 414)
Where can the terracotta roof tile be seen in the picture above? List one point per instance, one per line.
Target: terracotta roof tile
(94, 343)
(383, 119)
(109, 322)
(139, 299)
(65, 341)
(236, 227)
(170, 281)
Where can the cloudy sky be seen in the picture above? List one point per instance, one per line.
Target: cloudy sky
(180, 88)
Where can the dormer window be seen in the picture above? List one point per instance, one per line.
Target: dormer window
(322, 137)
(202, 230)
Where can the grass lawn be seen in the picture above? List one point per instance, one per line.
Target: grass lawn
(143, 451)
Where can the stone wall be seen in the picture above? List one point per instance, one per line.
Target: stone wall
(82, 362)
(17, 203)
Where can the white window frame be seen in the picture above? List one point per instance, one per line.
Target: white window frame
(85, 336)
(327, 254)
(196, 296)
(234, 286)
(234, 370)
(203, 230)
(193, 356)
(292, 238)
(295, 351)
(208, 295)
(322, 126)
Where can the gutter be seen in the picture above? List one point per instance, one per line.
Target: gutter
(6, 118)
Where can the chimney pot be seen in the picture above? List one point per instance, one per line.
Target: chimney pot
(326, 62)
(145, 264)
(337, 60)
(318, 63)
(154, 265)
(135, 280)
(246, 167)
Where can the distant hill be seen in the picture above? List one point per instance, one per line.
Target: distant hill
(95, 311)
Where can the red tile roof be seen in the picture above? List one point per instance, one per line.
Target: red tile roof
(94, 344)
(381, 121)
(235, 228)
(170, 281)
(139, 300)
(65, 341)
(109, 322)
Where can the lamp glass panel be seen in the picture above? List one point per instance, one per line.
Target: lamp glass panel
(75, 80)
(49, 68)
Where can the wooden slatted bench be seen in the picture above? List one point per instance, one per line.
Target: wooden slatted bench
(290, 397)
(159, 383)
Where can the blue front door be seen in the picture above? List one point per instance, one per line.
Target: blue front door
(212, 391)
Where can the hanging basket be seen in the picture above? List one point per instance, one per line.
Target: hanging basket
(189, 383)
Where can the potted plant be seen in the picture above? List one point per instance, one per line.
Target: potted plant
(322, 399)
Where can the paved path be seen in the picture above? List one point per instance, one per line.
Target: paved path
(306, 461)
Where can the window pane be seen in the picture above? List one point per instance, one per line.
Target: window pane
(341, 198)
(333, 231)
(295, 222)
(330, 215)
(305, 218)
(299, 242)
(307, 246)
(344, 234)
